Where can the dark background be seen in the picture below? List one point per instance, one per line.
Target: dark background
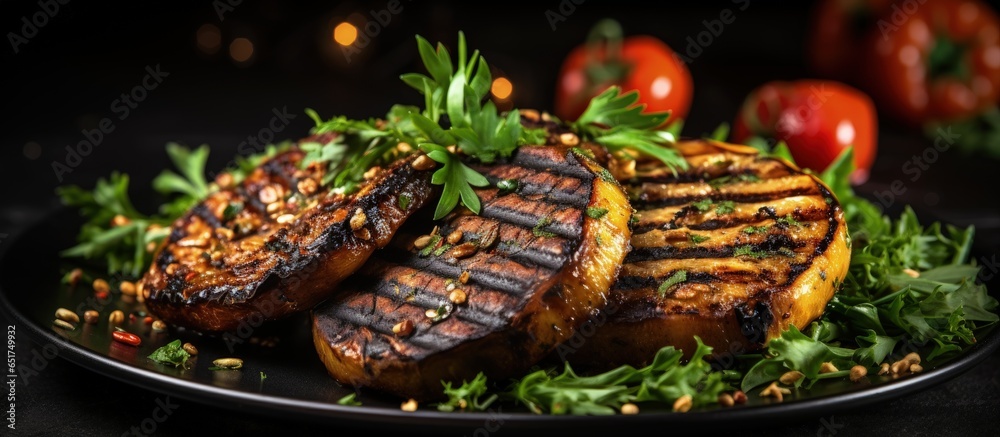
(66, 77)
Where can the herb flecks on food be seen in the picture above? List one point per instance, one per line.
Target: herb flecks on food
(678, 277)
(697, 239)
(595, 212)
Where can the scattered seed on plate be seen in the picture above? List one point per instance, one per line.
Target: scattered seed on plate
(67, 315)
(74, 276)
(739, 397)
(63, 324)
(147, 320)
(409, 406)
(158, 325)
(127, 288)
(228, 363)
(726, 400)
(126, 337)
(789, 378)
(101, 286)
(629, 409)
(683, 404)
(91, 317)
(117, 317)
(858, 373)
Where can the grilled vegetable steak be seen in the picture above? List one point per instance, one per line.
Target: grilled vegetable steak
(276, 243)
(733, 250)
(493, 292)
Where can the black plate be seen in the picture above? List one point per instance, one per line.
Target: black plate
(297, 384)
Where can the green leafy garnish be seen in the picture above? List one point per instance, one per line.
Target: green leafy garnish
(703, 205)
(725, 207)
(615, 121)
(539, 229)
(470, 396)
(349, 400)
(674, 279)
(756, 229)
(665, 380)
(171, 353)
(457, 178)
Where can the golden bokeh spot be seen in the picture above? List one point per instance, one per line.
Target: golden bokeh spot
(345, 34)
(209, 38)
(241, 49)
(502, 88)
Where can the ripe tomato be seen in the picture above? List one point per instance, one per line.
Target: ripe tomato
(641, 63)
(934, 61)
(838, 28)
(817, 119)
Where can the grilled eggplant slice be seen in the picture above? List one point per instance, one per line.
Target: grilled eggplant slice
(734, 250)
(493, 292)
(275, 244)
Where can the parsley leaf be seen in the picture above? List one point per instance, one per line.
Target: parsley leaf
(615, 121)
(349, 400)
(468, 396)
(171, 353)
(457, 178)
(595, 212)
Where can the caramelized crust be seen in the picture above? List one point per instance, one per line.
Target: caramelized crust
(769, 259)
(276, 243)
(529, 269)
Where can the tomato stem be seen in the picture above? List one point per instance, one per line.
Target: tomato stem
(947, 58)
(605, 38)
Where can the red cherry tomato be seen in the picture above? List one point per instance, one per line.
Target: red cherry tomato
(641, 63)
(817, 119)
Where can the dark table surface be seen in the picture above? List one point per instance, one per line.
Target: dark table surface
(67, 76)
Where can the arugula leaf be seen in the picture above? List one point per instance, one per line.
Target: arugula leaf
(468, 396)
(173, 354)
(665, 380)
(795, 351)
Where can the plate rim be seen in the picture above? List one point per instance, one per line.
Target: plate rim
(387, 417)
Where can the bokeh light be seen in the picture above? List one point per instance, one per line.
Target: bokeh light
(241, 50)
(345, 34)
(502, 88)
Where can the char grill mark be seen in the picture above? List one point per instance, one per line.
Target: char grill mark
(525, 270)
(216, 270)
(743, 263)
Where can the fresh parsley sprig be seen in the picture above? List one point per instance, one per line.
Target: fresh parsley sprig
(614, 120)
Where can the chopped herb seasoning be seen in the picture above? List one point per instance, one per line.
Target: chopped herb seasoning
(787, 252)
(634, 219)
(674, 279)
(442, 312)
(231, 211)
(596, 213)
(731, 179)
(755, 229)
(507, 186)
(435, 239)
(748, 250)
(703, 205)
(725, 207)
(606, 175)
(697, 239)
(583, 152)
(598, 241)
(404, 202)
(542, 223)
(788, 220)
(441, 250)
